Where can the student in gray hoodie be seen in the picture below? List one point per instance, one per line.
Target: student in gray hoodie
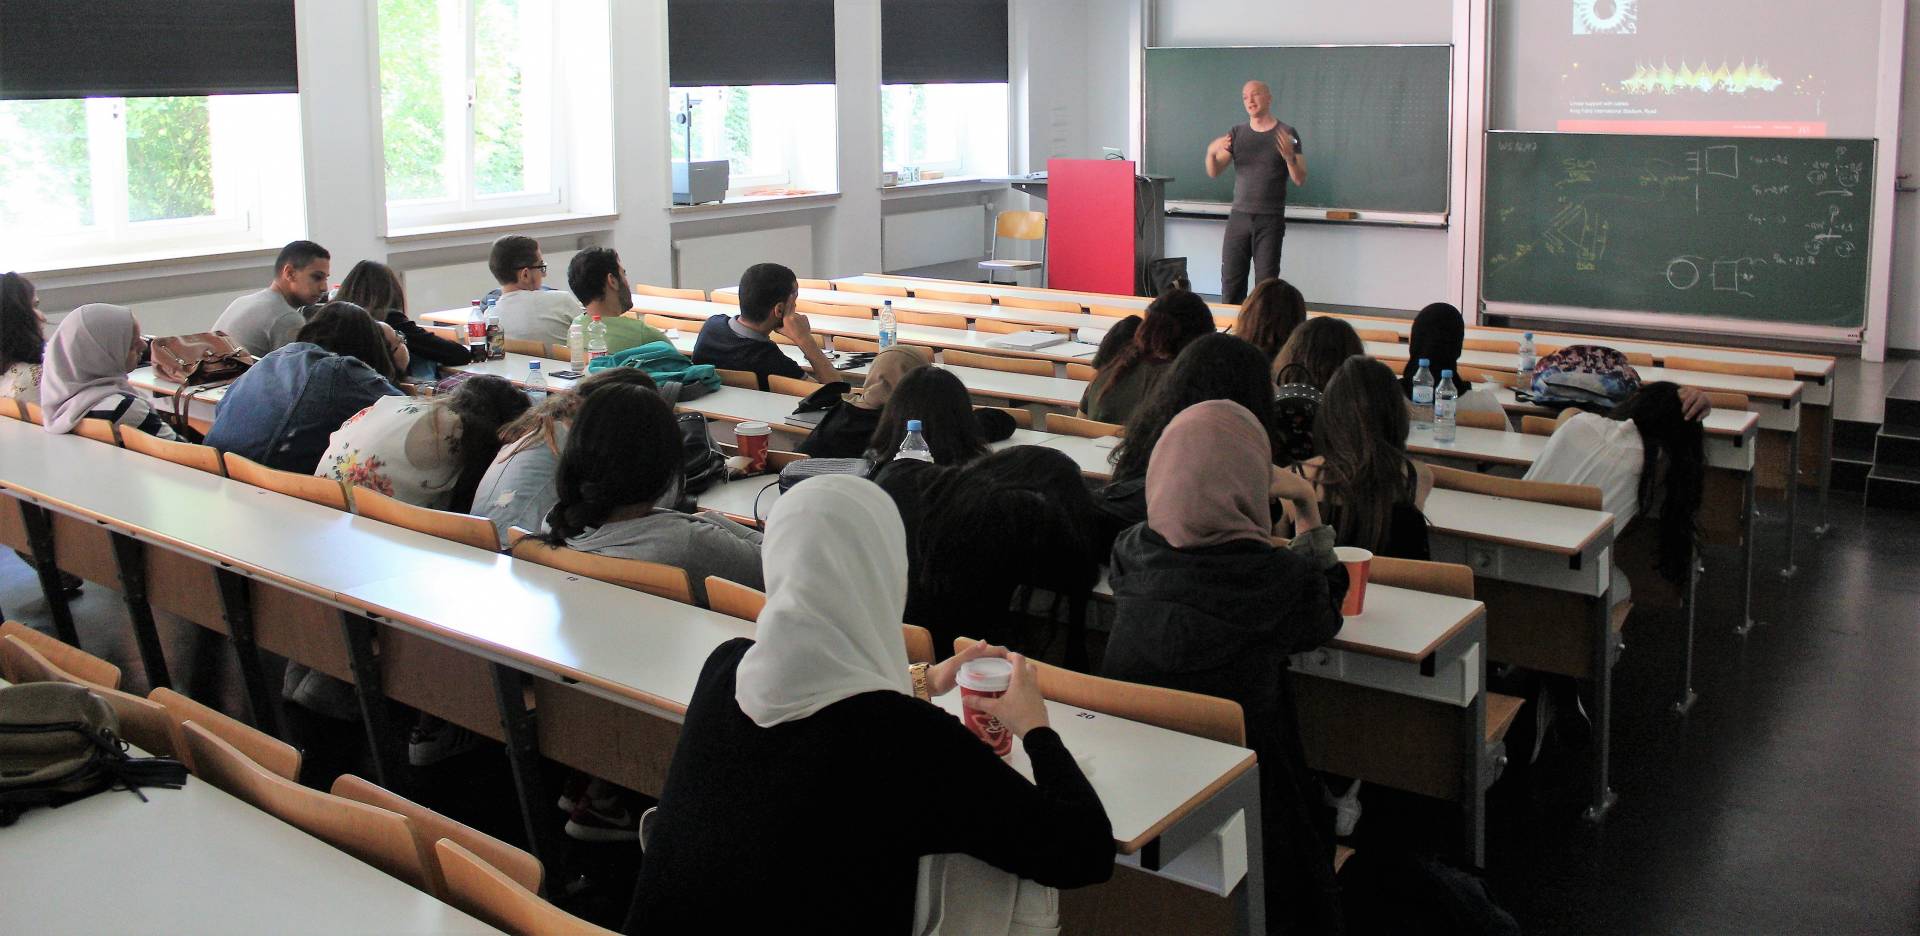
(621, 462)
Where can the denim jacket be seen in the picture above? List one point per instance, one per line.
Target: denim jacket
(281, 412)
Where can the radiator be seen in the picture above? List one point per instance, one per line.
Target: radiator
(718, 260)
(913, 239)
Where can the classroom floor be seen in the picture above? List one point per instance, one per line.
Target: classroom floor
(1787, 802)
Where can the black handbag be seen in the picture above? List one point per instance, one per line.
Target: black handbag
(702, 465)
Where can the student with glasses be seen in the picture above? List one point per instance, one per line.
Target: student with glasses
(527, 310)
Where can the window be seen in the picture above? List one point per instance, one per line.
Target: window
(777, 139)
(955, 129)
(471, 117)
(100, 180)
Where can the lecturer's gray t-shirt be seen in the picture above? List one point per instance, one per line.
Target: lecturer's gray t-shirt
(1260, 176)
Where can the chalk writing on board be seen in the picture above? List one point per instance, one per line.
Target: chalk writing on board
(1578, 232)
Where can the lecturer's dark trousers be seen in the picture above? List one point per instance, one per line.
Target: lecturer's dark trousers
(1251, 238)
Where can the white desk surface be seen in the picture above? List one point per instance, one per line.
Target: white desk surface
(1567, 531)
(1757, 387)
(201, 862)
(1481, 445)
(1110, 300)
(1074, 320)
(1402, 624)
(958, 339)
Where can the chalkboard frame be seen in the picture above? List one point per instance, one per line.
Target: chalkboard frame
(1315, 213)
(1660, 319)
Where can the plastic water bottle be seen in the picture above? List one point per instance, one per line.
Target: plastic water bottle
(596, 341)
(1445, 400)
(1527, 360)
(477, 331)
(889, 327)
(1423, 394)
(577, 343)
(914, 446)
(536, 383)
(496, 336)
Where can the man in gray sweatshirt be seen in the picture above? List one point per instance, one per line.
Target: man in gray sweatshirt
(263, 321)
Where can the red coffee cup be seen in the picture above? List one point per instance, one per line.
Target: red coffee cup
(1359, 563)
(987, 677)
(752, 437)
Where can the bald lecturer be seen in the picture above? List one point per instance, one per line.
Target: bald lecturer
(1265, 154)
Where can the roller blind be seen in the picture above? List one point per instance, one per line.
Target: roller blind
(943, 41)
(749, 42)
(144, 48)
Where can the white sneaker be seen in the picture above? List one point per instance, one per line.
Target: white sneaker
(1346, 811)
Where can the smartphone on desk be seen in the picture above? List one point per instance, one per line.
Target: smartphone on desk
(567, 374)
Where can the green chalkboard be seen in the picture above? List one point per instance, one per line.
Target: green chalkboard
(1764, 230)
(1373, 118)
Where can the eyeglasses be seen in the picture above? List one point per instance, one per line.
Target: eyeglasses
(538, 266)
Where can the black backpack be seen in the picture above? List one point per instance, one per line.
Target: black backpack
(60, 742)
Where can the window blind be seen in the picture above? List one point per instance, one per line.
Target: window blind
(943, 41)
(142, 48)
(749, 42)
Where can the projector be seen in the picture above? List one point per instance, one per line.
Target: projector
(700, 182)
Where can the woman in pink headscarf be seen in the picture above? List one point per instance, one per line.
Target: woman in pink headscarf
(84, 374)
(1206, 603)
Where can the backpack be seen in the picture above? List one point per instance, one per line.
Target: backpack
(60, 742)
(1582, 375)
(663, 362)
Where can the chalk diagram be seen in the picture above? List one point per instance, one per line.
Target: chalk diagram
(1606, 17)
(1579, 232)
(1684, 273)
(1722, 161)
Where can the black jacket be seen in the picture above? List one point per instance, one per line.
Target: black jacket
(425, 345)
(846, 429)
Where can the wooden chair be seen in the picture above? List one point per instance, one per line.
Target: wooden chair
(935, 295)
(323, 491)
(1080, 372)
(1022, 418)
(143, 724)
(1378, 334)
(1538, 425)
(870, 289)
(10, 408)
(99, 430)
(1739, 402)
(728, 298)
(1186, 712)
(268, 752)
(852, 310)
(1016, 225)
(473, 531)
(791, 386)
(488, 894)
(1699, 365)
(68, 658)
(1043, 305)
(200, 457)
(815, 283)
(376, 836)
(736, 600)
(855, 345)
(1639, 358)
(654, 578)
(1062, 424)
(1482, 420)
(1009, 365)
(1439, 578)
(529, 347)
(1481, 375)
(1490, 344)
(684, 316)
(430, 827)
(999, 327)
(1583, 496)
(1115, 312)
(930, 319)
(669, 292)
(666, 323)
(745, 380)
(32, 413)
(919, 643)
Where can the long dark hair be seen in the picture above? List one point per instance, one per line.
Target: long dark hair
(1675, 443)
(484, 404)
(939, 400)
(540, 425)
(347, 329)
(1315, 350)
(1269, 316)
(1173, 320)
(1003, 517)
(623, 450)
(1213, 367)
(1117, 339)
(375, 287)
(1438, 335)
(1361, 431)
(21, 339)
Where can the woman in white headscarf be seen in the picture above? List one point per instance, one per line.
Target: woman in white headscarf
(809, 780)
(84, 374)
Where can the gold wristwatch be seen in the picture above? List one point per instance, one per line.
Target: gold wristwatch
(918, 672)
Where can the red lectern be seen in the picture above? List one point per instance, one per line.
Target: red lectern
(1090, 225)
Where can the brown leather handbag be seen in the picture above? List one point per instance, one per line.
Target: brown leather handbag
(205, 358)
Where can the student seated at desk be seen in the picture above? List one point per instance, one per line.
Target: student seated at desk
(425, 452)
(281, 412)
(847, 427)
(1370, 489)
(955, 431)
(85, 374)
(599, 281)
(1213, 367)
(1439, 334)
(1204, 602)
(1173, 320)
(264, 321)
(377, 289)
(1021, 516)
(526, 309)
(809, 780)
(517, 489)
(1306, 362)
(22, 339)
(1117, 339)
(744, 342)
(1269, 316)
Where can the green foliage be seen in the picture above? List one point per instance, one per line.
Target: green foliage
(498, 122)
(44, 169)
(739, 129)
(412, 118)
(169, 159)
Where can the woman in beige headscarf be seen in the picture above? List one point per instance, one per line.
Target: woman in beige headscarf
(847, 429)
(84, 374)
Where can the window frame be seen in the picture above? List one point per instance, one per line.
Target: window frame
(785, 146)
(962, 167)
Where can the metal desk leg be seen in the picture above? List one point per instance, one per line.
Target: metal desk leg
(131, 559)
(1793, 501)
(236, 606)
(1603, 656)
(1745, 626)
(371, 693)
(1473, 779)
(1822, 524)
(39, 526)
(1687, 696)
(523, 757)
